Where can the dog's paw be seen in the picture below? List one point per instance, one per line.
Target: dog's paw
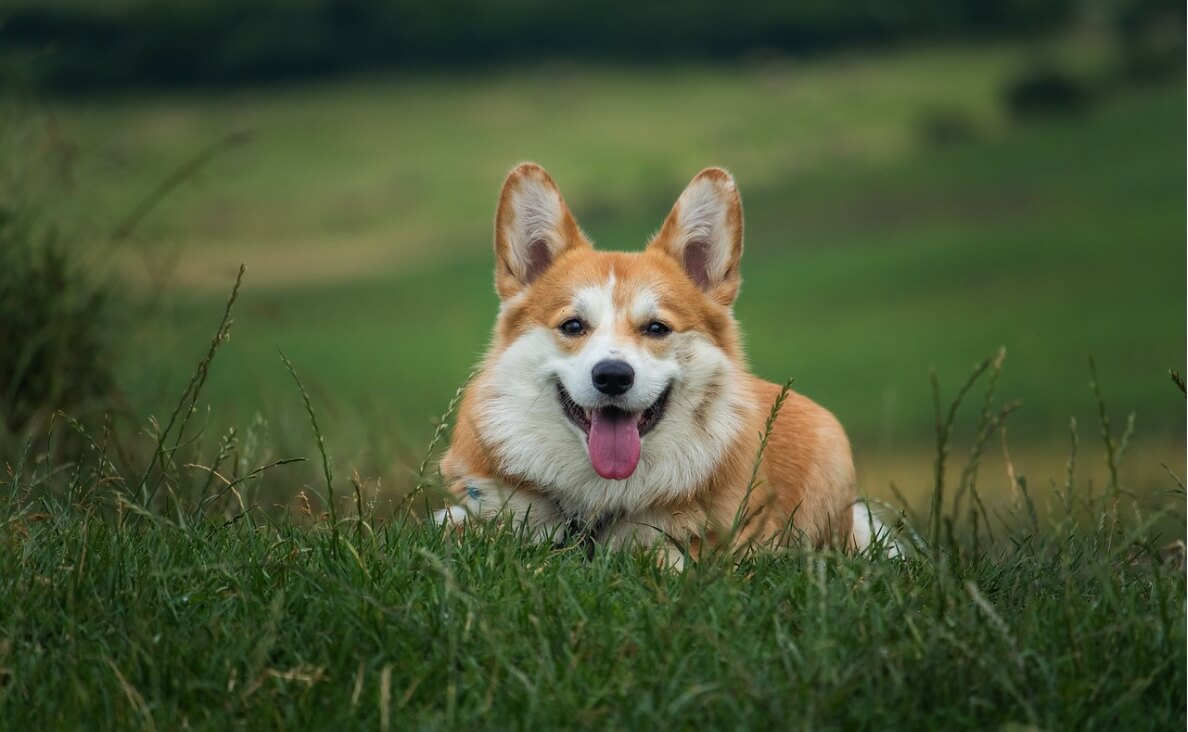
(869, 531)
(453, 516)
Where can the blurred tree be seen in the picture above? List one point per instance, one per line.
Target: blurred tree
(85, 43)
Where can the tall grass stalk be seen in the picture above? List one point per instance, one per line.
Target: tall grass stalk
(1178, 380)
(1112, 452)
(327, 471)
(190, 395)
(944, 431)
(443, 424)
(743, 515)
(989, 421)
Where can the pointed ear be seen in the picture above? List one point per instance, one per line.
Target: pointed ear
(533, 227)
(704, 233)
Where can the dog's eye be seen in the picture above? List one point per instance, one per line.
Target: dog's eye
(656, 328)
(572, 327)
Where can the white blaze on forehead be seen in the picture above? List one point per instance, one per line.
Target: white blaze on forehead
(596, 303)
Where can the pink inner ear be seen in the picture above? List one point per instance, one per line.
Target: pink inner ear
(539, 259)
(697, 263)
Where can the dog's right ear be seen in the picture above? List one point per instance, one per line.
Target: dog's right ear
(704, 233)
(533, 227)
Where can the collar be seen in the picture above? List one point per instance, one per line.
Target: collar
(587, 533)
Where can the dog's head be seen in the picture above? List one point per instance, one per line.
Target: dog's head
(601, 358)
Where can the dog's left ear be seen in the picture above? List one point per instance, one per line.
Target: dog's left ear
(704, 233)
(533, 227)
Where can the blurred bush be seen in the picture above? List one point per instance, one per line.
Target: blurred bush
(1045, 90)
(58, 329)
(77, 44)
(1152, 38)
(55, 327)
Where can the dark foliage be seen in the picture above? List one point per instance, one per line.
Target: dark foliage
(54, 327)
(1044, 92)
(76, 45)
(1152, 34)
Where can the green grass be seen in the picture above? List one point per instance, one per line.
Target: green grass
(111, 617)
(143, 628)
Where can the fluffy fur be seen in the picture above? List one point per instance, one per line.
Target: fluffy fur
(516, 452)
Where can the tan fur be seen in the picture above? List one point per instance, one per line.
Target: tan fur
(806, 477)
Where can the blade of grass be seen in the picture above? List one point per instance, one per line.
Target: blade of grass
(743, 515)
(442, 425)
(327, 471)
(944, 430)
(1111, 447)
(191, 392)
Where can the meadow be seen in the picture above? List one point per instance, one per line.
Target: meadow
(239, 564)
(142, 624)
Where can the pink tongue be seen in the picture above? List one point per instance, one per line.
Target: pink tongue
(614, 443)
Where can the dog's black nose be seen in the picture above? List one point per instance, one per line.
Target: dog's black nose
(612, 377)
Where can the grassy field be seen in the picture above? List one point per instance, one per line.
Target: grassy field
(114, 617)
(267, 631)
(203, 584)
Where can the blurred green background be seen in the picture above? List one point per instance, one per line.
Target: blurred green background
(923, 182)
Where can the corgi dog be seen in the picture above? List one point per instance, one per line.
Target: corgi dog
(615, 404)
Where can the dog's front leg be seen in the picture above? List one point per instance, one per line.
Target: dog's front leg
(489, 499)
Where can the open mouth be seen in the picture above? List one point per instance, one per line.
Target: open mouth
(613, 434)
